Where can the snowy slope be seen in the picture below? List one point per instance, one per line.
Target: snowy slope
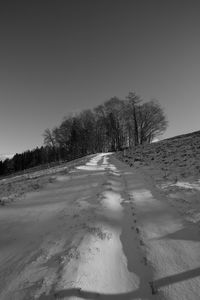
(99, 230)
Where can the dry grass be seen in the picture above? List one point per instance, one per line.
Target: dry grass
(177, 157)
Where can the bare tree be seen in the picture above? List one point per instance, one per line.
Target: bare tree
(88, 124)
(151, 121)
(49, 139)
(133, 101)
(113, 113)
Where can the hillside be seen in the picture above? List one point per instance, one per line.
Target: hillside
(174, 158)
(173, 167)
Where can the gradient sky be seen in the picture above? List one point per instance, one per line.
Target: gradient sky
(58, 57)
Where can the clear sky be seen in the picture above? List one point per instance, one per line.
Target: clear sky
(61, 56)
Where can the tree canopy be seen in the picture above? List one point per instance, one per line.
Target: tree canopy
(111, 126)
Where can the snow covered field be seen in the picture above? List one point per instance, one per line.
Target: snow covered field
(99, 230)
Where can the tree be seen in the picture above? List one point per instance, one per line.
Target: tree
(133, 101)
(151, 122)
(101, 137)
(49, 139)
(88, 125)
(113, 109)
(50, 142)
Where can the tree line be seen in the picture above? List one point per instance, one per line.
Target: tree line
(112, 126)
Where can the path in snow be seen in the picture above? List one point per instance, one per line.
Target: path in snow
(102, 231)
(111, 264)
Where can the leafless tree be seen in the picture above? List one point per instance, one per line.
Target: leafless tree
(152, 121)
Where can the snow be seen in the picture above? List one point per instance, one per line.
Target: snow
(173, 245)
(93, 164)
(102, 268)
(184, 196)
(183, 184)
(99, 230)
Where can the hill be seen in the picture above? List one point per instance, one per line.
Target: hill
(174, 158)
